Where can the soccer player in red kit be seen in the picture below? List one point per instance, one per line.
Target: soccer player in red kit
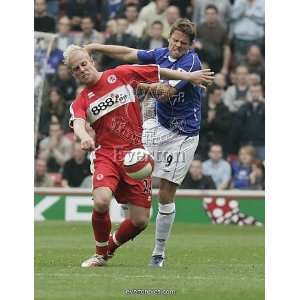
(109, 105)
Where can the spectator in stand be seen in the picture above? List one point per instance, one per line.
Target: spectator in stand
(257, 176)
(216, 122)
(126, 3)
(89, 34)
(53, 7)
(42, 22)
(77, 168)
(154, 11)
(248, 19)
(232, 80)
(155, 39)
(77, 9)
(121, 38)
(55, 149)
(136, 27)
(249, 126)
(65, 82)
(53, 111)
(236, 95)
(110, 29)
(242, 169)
(41, 176)
(87, 182)
(253, 79)
(220, 81)
(55, 58)
(218, 168)
(111, 8)
(223, 7)
(255, 61)
(172, 15)
(65, 37)
(195, 178)
(184, 6)
(213, 42)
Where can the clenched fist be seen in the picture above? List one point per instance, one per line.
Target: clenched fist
(87, 144)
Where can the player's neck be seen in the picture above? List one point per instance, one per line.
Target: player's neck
(95, 80)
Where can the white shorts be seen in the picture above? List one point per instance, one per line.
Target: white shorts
(172, 152)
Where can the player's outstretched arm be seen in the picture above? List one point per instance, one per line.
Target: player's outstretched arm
(160, 91)
(86, 141)
(118, 52)
(201, 78)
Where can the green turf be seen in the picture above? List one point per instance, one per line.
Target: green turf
(206, 262)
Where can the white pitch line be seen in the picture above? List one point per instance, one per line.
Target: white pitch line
(136, 276)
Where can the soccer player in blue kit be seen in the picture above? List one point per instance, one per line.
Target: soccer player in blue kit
(172, 134)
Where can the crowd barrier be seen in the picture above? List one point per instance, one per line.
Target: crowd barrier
(192, 206)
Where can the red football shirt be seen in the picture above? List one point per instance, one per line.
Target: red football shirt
(111, 107)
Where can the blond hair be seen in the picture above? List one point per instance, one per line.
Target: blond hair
(69, 51)
(249, 150)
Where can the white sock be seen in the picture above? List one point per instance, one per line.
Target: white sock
(164, 221)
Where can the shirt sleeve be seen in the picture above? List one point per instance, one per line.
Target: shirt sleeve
(146, 56)
(78, 109)
(190, 64)
(134, 74)
(226, 172)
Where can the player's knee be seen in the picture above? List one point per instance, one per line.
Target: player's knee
(166, 191)
(141, 222)
(100, 205)
(165, 196)
(101, 202)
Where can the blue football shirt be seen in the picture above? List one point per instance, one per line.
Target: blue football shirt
(183, 112)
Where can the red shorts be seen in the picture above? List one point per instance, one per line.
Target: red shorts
(109, 172)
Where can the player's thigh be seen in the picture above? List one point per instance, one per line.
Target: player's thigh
(175, 157)
(106, 176)
(139, 215)
(135, 192)
(106, 172)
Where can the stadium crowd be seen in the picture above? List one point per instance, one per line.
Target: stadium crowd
(229, 40)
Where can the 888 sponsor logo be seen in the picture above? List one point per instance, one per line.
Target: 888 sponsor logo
(113, 100)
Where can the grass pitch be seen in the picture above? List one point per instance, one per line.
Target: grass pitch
(206, 262)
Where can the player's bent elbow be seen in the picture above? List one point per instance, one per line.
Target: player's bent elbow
(131, 56)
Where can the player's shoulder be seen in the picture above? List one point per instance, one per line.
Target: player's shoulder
(119, 70)
(160, 53)
(161, 50)
(191, 60)
(134, 67)
(83, 94)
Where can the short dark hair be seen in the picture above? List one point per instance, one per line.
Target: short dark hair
(215, 145)
(132, 5)
(88, 17)
(212, 88)
(211, 6)
(157, 22)
(185, 26)
(56, 124)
